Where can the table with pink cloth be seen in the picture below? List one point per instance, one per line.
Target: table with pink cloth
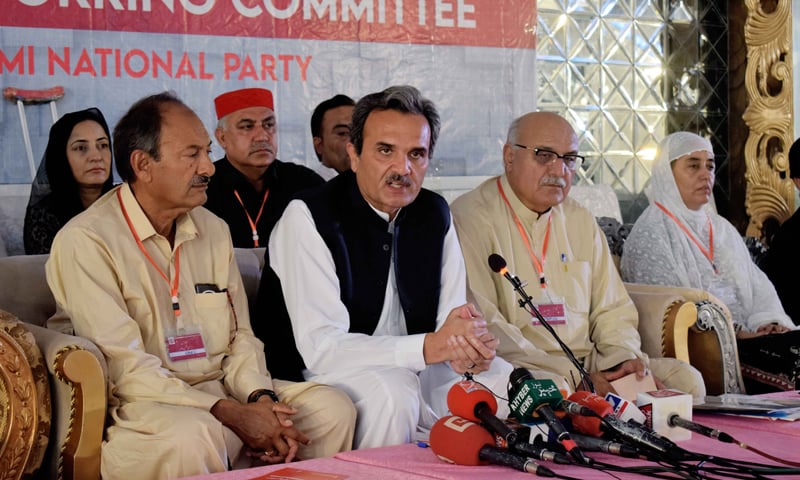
(776, 437)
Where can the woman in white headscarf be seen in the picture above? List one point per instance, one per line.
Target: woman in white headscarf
(680, 240)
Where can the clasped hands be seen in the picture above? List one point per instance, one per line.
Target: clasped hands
(265, 428)
(463, 340)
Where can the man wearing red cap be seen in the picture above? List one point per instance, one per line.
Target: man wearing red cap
(251, 187)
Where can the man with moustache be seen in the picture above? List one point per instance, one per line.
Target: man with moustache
(373, 298)
(152, 280)
(251, 187)
(330, 131)
(548, 239)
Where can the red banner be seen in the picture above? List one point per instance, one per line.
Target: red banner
(486, 23)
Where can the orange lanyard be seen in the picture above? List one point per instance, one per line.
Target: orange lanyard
(176, 307)
(708, 252)
(249, 219)
(536, 263)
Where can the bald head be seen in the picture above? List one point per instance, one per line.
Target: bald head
(537, 120)
(539, 186)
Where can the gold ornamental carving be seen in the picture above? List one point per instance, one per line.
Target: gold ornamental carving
(19, 404)
(769, 116)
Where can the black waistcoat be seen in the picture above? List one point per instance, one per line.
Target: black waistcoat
(361, 246)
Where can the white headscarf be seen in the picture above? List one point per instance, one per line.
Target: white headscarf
(659, 252)
(662, 187)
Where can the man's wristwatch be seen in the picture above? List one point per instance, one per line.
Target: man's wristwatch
(253, 397)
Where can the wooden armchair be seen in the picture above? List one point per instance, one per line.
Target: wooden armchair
(71, 411)
(693, 326)
(58, 432)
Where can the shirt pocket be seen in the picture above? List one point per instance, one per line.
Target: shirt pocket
(574, 283)
(214, 317)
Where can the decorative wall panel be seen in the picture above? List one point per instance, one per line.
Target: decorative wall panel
(626, 73)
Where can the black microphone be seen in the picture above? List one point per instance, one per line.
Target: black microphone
(676, 420)
(604, 421)
(528, 397)
(506, 458)
(537, 452)
(575, 408)
(498, 265)
(592, 444)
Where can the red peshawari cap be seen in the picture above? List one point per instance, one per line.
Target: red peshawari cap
(238, 99)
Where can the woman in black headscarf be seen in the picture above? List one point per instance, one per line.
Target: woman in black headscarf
(75, 171)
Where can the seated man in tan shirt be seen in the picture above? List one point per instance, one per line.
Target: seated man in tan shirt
(549, 240)
(150, 277)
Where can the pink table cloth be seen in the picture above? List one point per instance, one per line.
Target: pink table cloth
(776, 437)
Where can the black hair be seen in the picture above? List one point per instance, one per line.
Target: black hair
(794, 160)
(140, 129)
(402, 98)
(66, 199)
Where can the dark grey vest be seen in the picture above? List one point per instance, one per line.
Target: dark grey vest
(361, 246)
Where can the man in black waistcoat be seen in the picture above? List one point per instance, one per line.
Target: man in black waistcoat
(251, 187)
(366, 286)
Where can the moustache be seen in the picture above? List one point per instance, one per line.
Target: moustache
(258, 146)
(397, 178)
(200, 180)
(554, 181)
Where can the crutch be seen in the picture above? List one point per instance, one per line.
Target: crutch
(32, 97)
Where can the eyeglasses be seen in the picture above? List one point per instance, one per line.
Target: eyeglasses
(547, 157)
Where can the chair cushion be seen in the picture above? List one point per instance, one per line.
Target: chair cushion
(600, 199)
(25, 292)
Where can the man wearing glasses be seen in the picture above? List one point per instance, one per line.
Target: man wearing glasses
(556, 245)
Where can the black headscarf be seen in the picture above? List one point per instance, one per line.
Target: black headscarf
(55, 177)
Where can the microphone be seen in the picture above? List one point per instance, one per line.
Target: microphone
(630, 431)
(472, 401)
(530, 398)
(498, 265)
(459, 441)
(676, 420)
(575, 408)
(624, 409)
(592, 444)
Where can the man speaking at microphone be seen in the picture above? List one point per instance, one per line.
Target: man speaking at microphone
(370, 272)
(556, 245)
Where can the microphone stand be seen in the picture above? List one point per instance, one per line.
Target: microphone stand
(526, 303)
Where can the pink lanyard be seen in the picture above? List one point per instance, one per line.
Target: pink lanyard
(708, 252)
(536, 263)
(250, 219)
(176, 307)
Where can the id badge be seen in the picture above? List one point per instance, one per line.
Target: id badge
(554, 311)
(185, 344)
